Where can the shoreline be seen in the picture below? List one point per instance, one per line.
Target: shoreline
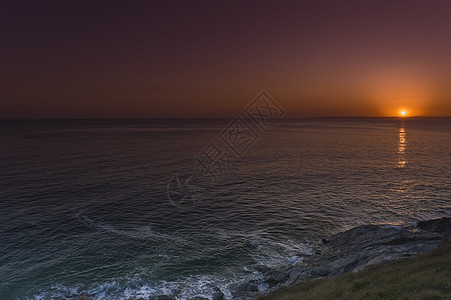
(343, 253)
(364, 246)
(424, 276)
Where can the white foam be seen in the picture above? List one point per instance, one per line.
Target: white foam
(142, 232)
(182, 290)
(265, 250)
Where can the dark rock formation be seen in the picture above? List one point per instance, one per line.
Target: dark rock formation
(353, 250)
(371, 244)
(218, 294)
(83, 297)
(442, 226)
(162, 297)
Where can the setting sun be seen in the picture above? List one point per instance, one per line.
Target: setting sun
(403, 113)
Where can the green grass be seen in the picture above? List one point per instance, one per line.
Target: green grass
(426, 276)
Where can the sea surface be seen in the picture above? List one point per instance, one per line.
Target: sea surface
(123, 208)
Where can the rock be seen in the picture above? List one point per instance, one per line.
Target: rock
(246, 289)
(198, 298)
(83, 297)
(437, 225)
(298, 273)
(275, 276)
(218, 294)
(442, 226)
(162, 297)
(278, 277)
(366, 245)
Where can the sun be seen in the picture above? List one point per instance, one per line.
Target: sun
(403, 113)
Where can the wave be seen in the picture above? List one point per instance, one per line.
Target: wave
(266, 250)
(196, 286)
(141, 232)
(263, 249)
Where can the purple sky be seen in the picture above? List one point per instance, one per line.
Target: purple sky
(86, 59)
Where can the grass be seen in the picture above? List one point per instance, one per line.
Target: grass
(426, 276)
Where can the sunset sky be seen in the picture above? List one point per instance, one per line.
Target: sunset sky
(130, 59)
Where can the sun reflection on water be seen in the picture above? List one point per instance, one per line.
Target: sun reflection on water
(402, 146)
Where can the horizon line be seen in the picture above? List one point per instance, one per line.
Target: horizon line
(209, 118)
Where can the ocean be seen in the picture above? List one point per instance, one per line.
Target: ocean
(116, 209)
